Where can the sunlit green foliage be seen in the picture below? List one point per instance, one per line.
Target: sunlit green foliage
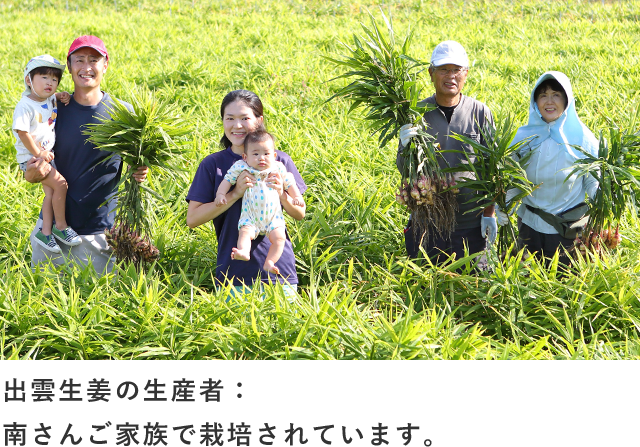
(359, 296)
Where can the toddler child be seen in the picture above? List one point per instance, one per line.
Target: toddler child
(261, 209)
(33, 126)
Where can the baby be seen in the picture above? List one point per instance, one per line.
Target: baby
(261, 209)
(33, 126)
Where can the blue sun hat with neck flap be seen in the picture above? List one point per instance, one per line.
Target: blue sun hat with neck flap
(40, 61)
(567, 130)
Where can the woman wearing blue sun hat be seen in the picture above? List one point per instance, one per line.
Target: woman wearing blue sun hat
(554, 213)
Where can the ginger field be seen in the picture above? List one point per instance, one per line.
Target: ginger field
(359, 296)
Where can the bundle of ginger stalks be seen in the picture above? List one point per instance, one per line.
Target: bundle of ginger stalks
(385, 84)
(495, 171)
(617, 170)
(149, 134)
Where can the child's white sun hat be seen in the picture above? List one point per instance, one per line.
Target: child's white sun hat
(40, 61)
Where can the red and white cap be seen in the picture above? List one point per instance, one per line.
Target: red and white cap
(88, 41)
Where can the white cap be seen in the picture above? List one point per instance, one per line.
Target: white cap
(449, 52)
(40, 61)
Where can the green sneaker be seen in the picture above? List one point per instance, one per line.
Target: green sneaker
(48, 242)
(67, 236)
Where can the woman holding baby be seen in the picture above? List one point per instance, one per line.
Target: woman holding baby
(242, 113)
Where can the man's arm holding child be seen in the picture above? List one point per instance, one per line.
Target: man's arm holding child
(38, 166)
(63, 97)
(38, 169)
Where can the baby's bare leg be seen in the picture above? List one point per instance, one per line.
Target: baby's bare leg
(58, 186)
(277, 238)
(243, 251)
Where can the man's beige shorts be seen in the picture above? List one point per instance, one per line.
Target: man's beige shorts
(93, 249)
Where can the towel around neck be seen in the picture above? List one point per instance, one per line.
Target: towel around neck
(567, 130)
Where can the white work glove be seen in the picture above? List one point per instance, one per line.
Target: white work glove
(488, 228)
(511, 194)
(501, 217)
(407, 132)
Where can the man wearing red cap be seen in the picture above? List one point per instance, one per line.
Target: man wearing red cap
(91, 180)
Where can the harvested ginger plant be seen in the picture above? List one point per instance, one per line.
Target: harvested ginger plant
(428, 193)
(385, 84)
(128, 245)
(147, 134)
(595, 241)
(499, 177)
(617, 169)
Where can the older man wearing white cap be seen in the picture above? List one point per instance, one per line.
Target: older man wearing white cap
(92, 175)
(460, 114)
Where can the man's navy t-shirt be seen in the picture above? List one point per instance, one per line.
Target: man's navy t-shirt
(90, 180)
(208, 177)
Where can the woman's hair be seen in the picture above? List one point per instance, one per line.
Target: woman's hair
(246, 97)
(553, 85)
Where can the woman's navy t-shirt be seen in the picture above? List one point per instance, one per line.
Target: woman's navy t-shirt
(203, 189)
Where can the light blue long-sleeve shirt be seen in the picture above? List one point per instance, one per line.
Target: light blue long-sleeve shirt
(554, 152)
(549, 166)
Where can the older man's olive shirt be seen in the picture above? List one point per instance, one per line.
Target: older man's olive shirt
(468, 117)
